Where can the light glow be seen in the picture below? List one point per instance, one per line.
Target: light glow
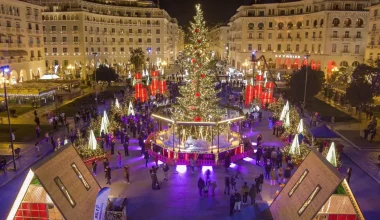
(300, 127)
(232, 165)
(163, 118)
(331, 155)
(92, 141)
(205, 168)
(181, 168)
(20, 195)
(295, 148)
(117, 105)
(231, 120)
(248, 159)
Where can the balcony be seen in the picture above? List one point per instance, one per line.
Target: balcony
(75, 32)
(76, 42)
(122, 42)
(40, 58)
(297, 39)
(11, 29)
(347, 39)
(12, 45)
(30, 31)
(33, 58)
(357, 39)
(345, 52)
(19, 30)
(335, 38)
(3, 45)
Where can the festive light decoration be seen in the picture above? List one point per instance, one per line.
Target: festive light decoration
(92, 141)
(106, 118)
(276, 107)
(331, 155)
(117, 105)
(103, 127)
(300, 128)
(297, 159)
(130, 109)
(287, 120)
(295, 147)
(284, 111)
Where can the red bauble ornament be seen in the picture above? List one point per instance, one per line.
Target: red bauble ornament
(197, 30)
(200, 65)
(192, 108)
(193, 60)
(203, 75)
(199, 41)
(198, 94)
(197, 118)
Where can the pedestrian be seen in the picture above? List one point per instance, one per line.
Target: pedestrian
(237, 201)
(208, 173)
(268, 168)
(166, 171)
(232, 204)
(273, 176)
(146, 157)
(192, 164)
(126, 150)
(156, 160)
(287, 174)
(37, 147)
(105, 163)
(112, 147)
(280, 175)
(3, 165)
(273, 156)
(213, 187)
(233, 183)
(38, 131)
(201, 185)
(94, 165)
(153, 173)
(279, 158)
(126, 174)
(53, 143)
(108, 174)
(245, 192)
(349, 171)
(227, 185)
(253, 194)
(259, 152)
(119, 158)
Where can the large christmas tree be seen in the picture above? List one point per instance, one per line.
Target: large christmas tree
(198, 101)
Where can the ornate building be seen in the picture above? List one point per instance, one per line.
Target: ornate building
(332, 32)
(372, 54)
(218, 41)
(74, 30)
(21, 45)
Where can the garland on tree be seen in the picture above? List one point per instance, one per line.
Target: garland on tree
(297, 159)
(276, 107)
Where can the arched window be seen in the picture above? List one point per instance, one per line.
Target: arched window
(359, 22)
(260, 25)
(344, 63)
(315, 23)
(251, 26)
(355, 63)
(321, 23)
(290, 25)
(280, 25)
(299, 24)
(347, 22)
(336, 22)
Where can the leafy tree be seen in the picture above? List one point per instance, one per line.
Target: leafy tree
(367, 74)
(359, 93)
(105, 73)
(315, 80)
(137, 58)
(341, 78)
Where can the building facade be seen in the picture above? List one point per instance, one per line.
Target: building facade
(74, 30)
(21, 40)
(332, 32)
(218, 41)
(372, 54)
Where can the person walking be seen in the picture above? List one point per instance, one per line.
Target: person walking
(237, 201)
(232, 204)
(119, 159)
(112, 147)
(227, 185)
(273, 176)
(280, 175)
(105, 163)
(233, 183)
(268, 168)
(213, 187)
(146, 157)
(94, 165)
(156, 160)
(126, 150)
(279, 158)
(108, 175)
(166, 171)
(245, 192)
(287, 174)
(201, 185)
(253, 194)
(126, 174)
(259, 153)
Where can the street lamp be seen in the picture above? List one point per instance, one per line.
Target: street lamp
(163, 63)
(149, 52)
(307, 69)
(96, 83)
(5, 69)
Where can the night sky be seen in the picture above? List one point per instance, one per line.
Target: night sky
(215, 11)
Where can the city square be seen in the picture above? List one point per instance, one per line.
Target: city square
(125, 109)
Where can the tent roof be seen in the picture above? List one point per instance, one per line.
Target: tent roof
(323, 132)
(338, 204)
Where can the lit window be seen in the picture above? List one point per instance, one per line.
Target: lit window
(308, 201)
(64, 191)
(80, 176)
(298, 183)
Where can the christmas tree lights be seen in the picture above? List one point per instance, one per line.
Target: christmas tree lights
(130, 109)
(300, 128)
(105, 118)
(92, 141)
(103, 126)
(117, 105)
(284, 111)
(295, 147)
(331, 155)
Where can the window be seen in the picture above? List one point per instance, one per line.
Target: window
(149, 40)
(359, 22)
(251, 26)
(54, 39)
(130, 40)
(270, 24)
(298, 183)
(63, 28)
(86, 50)
(279, 36)
(346, 34)
(259, 47)
(64, 39)
(158, 31)
(44, 39)
(158, 49)
(335, 34)
(297, 47)
(312, 48)
(320, 34)
(45, 49)
(121, 39)
(158, 40)
(289, 35)
(75, 28)
(307, 23)
(76, 39)
(270, 36)
(270, 47)
(374, 27)
(139, 31)
(298, 35)
(249, 47)
(314, 35)
(85, 28)
(250, 36)
(64, 191)
(347, 7)
(140, 40)
(305, 48)
(309, 200)
(279, 47)
(306, 35)
(130, 31)
(260, 26)
(280, 25)
(288, 47)
(76, 49)
(37, 26)
(113, 30)
(357, 48)
(358, 34)
(347, 22)
(64, 50)
(333, 48)
(53, 28)
(149, 31)
(79, 174)
(375, 12)
(106, 49)
(113, 49)
(260, 35)
(345, 48)
(121, 49)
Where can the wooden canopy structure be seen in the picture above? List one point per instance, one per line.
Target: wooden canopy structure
(311, 193)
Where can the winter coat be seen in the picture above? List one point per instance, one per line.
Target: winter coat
(253, 191)
(227, 181)
(201, 183)
(244, 189)
(237, 197)
(273, 175)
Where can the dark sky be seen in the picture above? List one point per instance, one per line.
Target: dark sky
(215, 11)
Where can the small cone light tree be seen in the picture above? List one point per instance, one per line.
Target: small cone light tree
(295, 147)
(297, 151)
(92, 144)
(300, 128)
(117, 105)
(198, 101)
(285, 109)
(331, 155)
(105, 118)
(276, 107)
(130, 109)
(103, 127)
(287, 120)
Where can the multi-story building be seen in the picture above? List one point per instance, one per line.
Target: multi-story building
(372, 53)
(332, 32)
(76, 29)
(21, 45)
(218, 41)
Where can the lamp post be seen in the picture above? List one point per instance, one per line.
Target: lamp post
(96, 83)
(163, 63)
(5, 69)
(307, 70)
(149, 52)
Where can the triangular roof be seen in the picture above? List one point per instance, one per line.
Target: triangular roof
(67, 182)
(308, 190)
(323, 132)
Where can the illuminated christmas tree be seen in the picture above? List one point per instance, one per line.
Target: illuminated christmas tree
(103, 126)
(295, 147)
(300, 128)
(117, 105)
(92, 141)
(105, 118)
(198, 101)
(130, 109)
(284, 111)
